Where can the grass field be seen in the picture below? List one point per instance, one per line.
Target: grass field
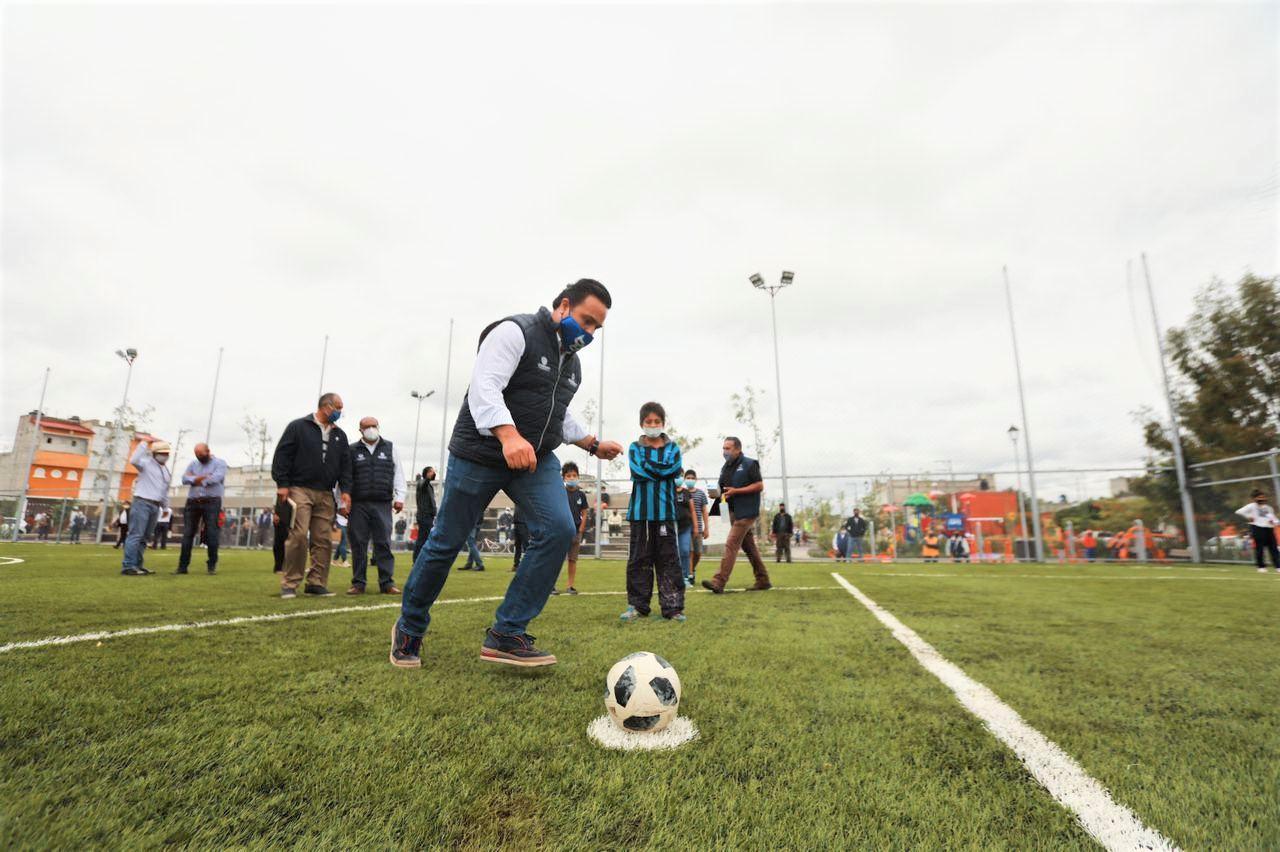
(818, 729)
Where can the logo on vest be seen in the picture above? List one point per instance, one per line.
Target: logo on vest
(571, 381)
(543, 365)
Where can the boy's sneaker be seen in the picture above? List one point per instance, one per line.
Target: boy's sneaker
(632, 614)
(688, 583)
(317, 592)
(555, 593)
(466, 567)
(478, 568)
(1262, 570)
(288, 594)
(680, 617)
(513, 650)
(138, 572)
(571, 591)
(406, 650)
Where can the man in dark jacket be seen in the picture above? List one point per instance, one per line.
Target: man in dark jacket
(377, 491)
(515, 415)
(856, 527)
(783, 528)
(311, 458)
(740, 487)
(426, 498)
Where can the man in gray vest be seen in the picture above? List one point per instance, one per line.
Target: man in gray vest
(515, 415)
(377, 489)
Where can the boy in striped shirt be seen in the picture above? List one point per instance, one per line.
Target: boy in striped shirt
(655, 465)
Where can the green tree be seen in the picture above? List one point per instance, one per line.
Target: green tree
(1226, 362)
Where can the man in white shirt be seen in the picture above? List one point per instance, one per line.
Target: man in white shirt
(150, 495)
(1262, 526)
(515, 415)
(377, 489)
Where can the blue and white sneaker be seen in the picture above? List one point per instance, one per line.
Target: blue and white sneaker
(632, 614)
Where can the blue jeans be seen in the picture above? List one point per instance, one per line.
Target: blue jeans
(685, 540)
(850, 545)
(142, 521)
(474, 559)
(467, 493)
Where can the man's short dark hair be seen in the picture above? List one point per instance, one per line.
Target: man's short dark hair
(652, 408)
(1258, 492)
(737, 442)
(326, 399)
(568, 468)
(581, 289)
(426, 470)
(691, 473)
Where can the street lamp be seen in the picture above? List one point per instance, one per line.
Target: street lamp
(758, 282)
(421, 398)
(128, 356)
(1022, 517)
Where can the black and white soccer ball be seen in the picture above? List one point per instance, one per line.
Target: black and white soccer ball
(642, 693)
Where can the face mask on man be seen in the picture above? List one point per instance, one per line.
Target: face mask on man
(162, 459)
(370, 434)
(334, 414)
(652, 431)
(573, 336)
(691, 484)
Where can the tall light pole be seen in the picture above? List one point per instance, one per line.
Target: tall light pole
(599, 462)
(444, 417)
(1026, 430)
(128, 356)
(1017, 469)
(772, 289)
(212, 398)
(324, 356)
(421, 398)
(31, 458)
(1175, 428)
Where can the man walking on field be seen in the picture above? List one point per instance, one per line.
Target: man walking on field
(515, 414)
(740, 487)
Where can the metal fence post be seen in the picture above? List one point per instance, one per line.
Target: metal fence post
(1142, 540)
(1071, 541)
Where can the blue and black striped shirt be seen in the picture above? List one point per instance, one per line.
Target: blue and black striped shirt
(654, 471)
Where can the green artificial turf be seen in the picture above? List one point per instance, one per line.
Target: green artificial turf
(818, 729)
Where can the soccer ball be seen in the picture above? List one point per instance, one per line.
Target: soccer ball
(642, 693)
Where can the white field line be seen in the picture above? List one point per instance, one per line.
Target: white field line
(285, 616)
(11, 560)
(1080, 577)
(1107, 821)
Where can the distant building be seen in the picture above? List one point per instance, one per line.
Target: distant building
(58, 469)
(899, 488)
(1121, 486)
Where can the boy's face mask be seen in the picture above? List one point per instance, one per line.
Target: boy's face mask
(691, 483)
(571, 484)
(652, 431)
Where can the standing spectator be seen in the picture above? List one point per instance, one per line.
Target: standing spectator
(740, 487)
(856, 526)
(656, 466)
(150, 495)
(578, 509)
(475, 562)
(684, 530)
(929, 548)
(519, 538)
(701, 523)
(341, 541)
(1262, 527)
(206, 474)
(402, 526)
(264, 527)
(42, 526)
(514, 417)
(958, 547)
(426, 500)
(311, 458)
(377, 490)
(282, 522)
(77, 525)
(121, 524)
(841, 544)
(161, 539)
(1089, 540)
(781, 532)
(506, 520)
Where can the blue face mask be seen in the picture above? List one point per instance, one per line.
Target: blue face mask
(571, 484)
(573, 337)
(334, 414)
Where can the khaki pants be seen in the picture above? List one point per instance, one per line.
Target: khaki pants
(741, 536)
(314, 514)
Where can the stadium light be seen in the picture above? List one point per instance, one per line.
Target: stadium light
(758, 282)
(1026, 429)
(420, 397)
(128, 356)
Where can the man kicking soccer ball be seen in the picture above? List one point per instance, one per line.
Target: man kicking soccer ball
(515, 414)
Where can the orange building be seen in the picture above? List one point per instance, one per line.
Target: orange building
(61, 458)
(130, 472)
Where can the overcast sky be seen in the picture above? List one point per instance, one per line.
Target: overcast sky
(180, 179)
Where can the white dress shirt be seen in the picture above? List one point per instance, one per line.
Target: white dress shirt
(496, 363)
(1259, 516)
(153, 478)
(398, 486)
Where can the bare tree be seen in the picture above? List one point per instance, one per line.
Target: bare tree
(259, 439)
(746, 410)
